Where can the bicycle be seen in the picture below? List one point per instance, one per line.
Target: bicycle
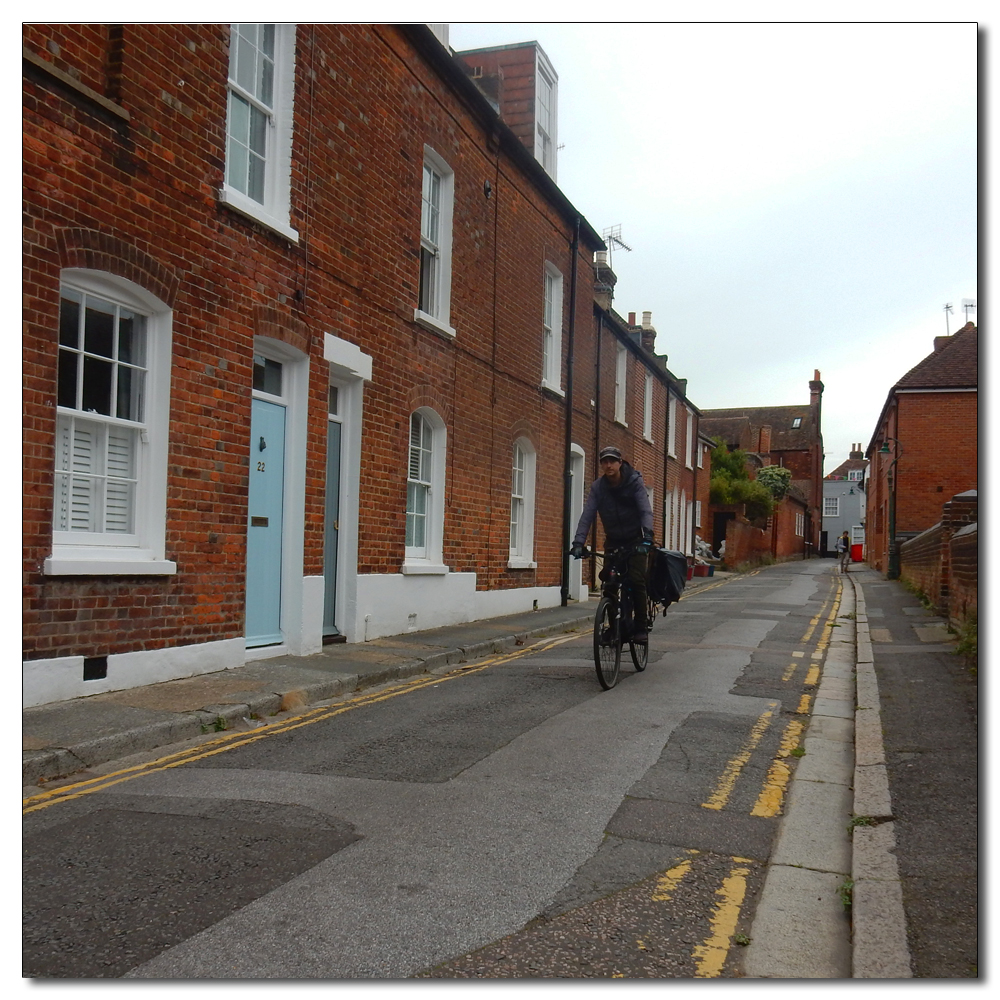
(614, 619)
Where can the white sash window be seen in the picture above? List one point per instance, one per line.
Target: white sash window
(109, 482)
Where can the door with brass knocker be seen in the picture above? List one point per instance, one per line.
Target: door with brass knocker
(264, 522)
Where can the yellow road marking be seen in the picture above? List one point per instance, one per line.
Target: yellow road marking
(711, 956)
(66, 793)
(727, 782)
(812, 677)
(789, 670)
(772, 794)
(669, 880)
(803, 708)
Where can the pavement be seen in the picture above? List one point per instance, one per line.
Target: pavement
(836, 836)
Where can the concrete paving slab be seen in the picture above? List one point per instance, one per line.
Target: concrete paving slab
(826, 760)
(814, 828)
(840, 708)
(828, 727)
(800, 929)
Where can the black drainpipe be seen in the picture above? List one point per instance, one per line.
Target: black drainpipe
(666, 460)
(568, 455)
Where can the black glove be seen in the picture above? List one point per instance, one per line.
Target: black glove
(576, 551)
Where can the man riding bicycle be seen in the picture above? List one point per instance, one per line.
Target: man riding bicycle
(620, 497)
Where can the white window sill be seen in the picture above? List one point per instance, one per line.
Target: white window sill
(432, 323)
(423, 569)
(648, 439)
(620, 421)
(106, 565)
(239, 202)
(519, 562)
(552, 387)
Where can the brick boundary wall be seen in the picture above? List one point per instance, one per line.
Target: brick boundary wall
(943, 561)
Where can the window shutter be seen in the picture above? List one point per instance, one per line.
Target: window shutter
(121, 480)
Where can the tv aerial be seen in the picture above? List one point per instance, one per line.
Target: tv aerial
(968, 305)
(613, 237)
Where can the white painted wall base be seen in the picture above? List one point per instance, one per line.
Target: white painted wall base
(394, 603)
(60, 679)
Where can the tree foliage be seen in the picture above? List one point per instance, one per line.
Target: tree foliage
(776, 478)
(730, 483)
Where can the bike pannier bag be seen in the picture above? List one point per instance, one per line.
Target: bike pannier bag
(667, 576)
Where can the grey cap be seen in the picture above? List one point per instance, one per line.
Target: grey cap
(610, 452)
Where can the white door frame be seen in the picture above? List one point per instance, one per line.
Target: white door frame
(297, 601)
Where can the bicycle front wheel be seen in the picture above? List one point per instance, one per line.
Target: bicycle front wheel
(640, 654)
(607, 644)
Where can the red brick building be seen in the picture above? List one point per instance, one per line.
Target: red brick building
(924, 450)
(787, 436)
(310, 346)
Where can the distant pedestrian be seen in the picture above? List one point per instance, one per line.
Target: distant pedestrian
(844, 551)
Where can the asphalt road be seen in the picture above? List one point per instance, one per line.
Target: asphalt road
(505, 819)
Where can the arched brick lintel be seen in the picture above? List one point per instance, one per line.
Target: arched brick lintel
(97, 251)
(269, 321)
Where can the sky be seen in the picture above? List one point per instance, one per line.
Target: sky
(796, 196)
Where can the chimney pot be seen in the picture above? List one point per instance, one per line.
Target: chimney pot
(601, 258)
(647, 320)
(631, 319)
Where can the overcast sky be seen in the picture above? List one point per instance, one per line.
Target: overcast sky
(796, 196)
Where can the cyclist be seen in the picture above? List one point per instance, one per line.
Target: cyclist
(620, 497)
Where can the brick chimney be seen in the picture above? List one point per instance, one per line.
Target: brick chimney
(648, 332)
(856, 451)
(764, 443)
(940, 342)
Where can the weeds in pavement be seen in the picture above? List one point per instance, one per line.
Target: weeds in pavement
(846, 892)
(968, 642)
(860, 821)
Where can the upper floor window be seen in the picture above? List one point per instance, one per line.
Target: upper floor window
(647, 409)
(434, 286)
(552, 329)
(621, 370)
(689, 443)
(831, 506)
(672, 428)
(259, 123)
(522, 506)
(855, 475)
(545, 120)
(425, 493)
(796, 423)
(112, 406)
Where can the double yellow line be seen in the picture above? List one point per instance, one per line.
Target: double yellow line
(233, 741)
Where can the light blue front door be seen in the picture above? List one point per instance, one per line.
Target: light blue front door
(267, 480)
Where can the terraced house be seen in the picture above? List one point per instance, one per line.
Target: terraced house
(310, 349)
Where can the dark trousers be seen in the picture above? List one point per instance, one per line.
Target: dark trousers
(637, 569)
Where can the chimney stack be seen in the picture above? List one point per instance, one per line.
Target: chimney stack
(764, 443)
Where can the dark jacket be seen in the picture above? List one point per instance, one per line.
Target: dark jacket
(624, 509)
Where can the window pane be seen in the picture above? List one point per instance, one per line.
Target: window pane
(130, 385)
(97, 385)
(245, 63)
(68, 361)
(131, 338)
(267, 375)
(255, 182)
(69, 318)
(239, 118)
(265, 85)
(99, 327)
(237, 166)
(267, 40)
(428, 274)
(258, 131)
(334, 400)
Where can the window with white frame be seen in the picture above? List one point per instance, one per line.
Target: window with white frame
(647, 409)
(831, 506)
(621, 369)
(522, 506)
(701, 456)
(259, 123)
(552, 329)
(697, 513)
(425, 493)
(800, 524)
(855, 475)
(545, 118)
(672, 429)
(436, 206)
(112, 409)
(689, 443)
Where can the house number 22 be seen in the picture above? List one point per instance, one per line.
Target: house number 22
(260, 466)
